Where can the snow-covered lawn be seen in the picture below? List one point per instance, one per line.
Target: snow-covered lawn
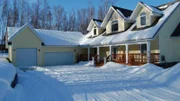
(83, 82)
(112, 82)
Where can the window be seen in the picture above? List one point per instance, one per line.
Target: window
(95, 33)
(143, 48)
(143, 19)
(114, 26)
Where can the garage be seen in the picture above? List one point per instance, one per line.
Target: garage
(58, 58)
(26, 57)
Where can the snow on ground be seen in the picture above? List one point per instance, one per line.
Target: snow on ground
(113, 82)
(83, 82)
(7, 73)
(169, 77)
(3, 54)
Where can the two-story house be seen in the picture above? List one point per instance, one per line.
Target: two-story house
(148, 34)
(139, 36)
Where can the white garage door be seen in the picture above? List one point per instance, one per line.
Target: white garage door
(26, 57)
(58, 58)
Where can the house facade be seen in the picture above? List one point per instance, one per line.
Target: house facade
(139, 36)
(148, 34)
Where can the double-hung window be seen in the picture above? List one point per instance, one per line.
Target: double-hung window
(114, 26)
(143, 19)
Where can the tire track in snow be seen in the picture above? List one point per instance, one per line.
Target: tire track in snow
(170, 91)
(161, 94)
(135, 95)
(149, 97)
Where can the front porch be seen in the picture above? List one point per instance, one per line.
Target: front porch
(129, 54)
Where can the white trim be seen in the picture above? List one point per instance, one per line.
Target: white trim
(89, 53)
(98, 53)
(127, 52)
(110, 52)
(148, 51)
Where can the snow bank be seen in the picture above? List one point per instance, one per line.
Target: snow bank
(112, 64)
(147, 68)
(169, 76)
(7, 73)
(85, 63)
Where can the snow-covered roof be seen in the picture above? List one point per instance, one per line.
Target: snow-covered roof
(97, 22)
(141, 5)
(12, 31)
(153, 9)
(59, 38)
(52, 37)
(129, 35)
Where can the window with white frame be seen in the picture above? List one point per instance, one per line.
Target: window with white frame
(114, 26)
(143, 19)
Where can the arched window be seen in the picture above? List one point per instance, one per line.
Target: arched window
(143, 19)
(95, 31)
(114, 26)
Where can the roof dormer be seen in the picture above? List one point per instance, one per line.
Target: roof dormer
(145, 15)
(95, 27)
(116, 20)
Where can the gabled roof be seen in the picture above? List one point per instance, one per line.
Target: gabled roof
(17, 31)
(131, 36)
(51, 37)
(122, 12)
(94, 22)
(176, 32)
(151, 8)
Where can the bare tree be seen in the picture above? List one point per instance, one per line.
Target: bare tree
(91, 11)
(36, 14)
(49, 20)
(65, 23)
(72, 21)
(5, 10)
(15, 13)
(83, 20)
(104, 7)
(101, 13)
(44, 13)
(58, 14)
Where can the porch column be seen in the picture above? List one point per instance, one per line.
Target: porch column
(98, 53)
(148, 51)
(110, 52)
(88, 53)
(127, 50)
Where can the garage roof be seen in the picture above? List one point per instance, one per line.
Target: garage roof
(50, 37)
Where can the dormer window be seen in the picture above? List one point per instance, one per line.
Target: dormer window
(114, 26)
(143, 19)
(95, 31)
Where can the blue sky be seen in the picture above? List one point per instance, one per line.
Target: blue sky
(76, 4)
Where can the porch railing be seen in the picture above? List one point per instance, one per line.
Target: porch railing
(133, 58)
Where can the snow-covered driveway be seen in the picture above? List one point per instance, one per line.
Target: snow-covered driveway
(112, 82)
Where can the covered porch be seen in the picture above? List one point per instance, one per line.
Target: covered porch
(137, 53)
